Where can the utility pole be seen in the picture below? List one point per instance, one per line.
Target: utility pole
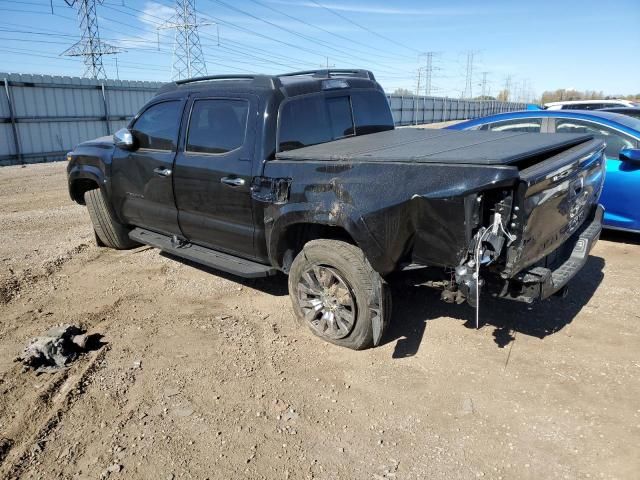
(415, 99)
(188, 59)
(90, 47)
(326, 65)
(468, 89)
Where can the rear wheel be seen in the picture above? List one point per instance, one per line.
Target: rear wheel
(338, 295)
(109, 232)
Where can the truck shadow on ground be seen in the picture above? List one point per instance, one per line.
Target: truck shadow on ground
(416, 305)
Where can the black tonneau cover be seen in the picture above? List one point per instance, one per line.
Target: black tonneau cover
(438, 146)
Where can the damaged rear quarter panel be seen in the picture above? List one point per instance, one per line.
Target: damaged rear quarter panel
(394, 211)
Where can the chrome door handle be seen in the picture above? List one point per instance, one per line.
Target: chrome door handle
(163, 172)
(234, 182)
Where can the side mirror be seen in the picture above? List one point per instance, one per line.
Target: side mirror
(124, 139)
(630, 155)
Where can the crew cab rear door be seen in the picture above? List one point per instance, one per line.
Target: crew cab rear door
(213, 171)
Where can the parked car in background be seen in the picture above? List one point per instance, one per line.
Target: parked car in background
(629, 111)
(621, 191)
(589, 104)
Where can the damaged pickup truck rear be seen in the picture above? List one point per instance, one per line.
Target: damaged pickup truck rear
(305, 174)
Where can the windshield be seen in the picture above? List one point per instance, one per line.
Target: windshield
(322, 118)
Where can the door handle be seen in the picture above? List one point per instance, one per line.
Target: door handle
(163, 172)
(234, 182)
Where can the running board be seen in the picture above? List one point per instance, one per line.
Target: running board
(205, 256)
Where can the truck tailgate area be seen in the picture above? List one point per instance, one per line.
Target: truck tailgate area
(553, 199)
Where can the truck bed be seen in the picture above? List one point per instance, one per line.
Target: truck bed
(439, 146)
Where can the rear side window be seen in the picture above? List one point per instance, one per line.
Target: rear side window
(319, 119)
(615, 141)
(305, 122)
(217, 125)
(157, 127)
(340, 117)
(530, 125)
(371, 112)
(585, 106)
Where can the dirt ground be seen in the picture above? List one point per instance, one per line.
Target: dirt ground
(203, 375)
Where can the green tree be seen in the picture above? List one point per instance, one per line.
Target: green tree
(503, 95)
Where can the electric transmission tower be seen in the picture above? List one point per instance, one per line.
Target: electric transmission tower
(484, 84)
(468, 88)
(90, 46)
(507, 88)
(428, 72)
(188, 59)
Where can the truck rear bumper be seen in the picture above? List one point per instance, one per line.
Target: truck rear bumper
(553, 273)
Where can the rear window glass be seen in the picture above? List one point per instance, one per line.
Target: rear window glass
(319, 119)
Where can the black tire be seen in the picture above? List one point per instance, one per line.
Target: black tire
(108, 230)
(369, 304)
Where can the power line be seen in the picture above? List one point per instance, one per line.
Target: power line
(229, 49)
(373, 32)
(245, 30)
(334, 34)
(303, 36)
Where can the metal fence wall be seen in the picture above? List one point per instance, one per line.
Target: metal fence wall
(410, 110)
(42, 117)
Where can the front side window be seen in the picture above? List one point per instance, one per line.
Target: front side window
(157, 127)
(217, 125)
(530, 125)
(615, 140)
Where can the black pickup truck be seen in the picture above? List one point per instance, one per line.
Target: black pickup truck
(305, 174)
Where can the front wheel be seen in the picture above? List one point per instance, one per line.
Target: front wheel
(338, 295)
(109, 232)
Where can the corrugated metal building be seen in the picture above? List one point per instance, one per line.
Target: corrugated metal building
(42, 117)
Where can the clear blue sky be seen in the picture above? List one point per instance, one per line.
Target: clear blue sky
(542, 45)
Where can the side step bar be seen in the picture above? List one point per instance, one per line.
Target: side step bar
(205, 256)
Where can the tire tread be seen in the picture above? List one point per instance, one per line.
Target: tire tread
(107, 228)
(369, 280)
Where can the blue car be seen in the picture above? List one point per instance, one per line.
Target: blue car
(621, 193)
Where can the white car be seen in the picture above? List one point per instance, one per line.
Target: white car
(589, 104)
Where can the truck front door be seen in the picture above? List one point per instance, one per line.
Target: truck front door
(212, 177)
(141, 183)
